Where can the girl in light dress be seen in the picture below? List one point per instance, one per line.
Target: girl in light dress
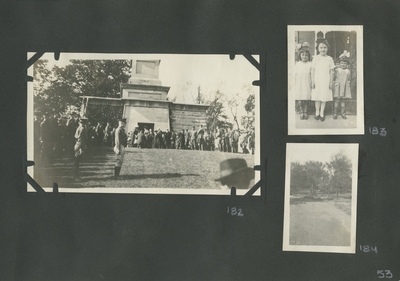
(302, 72)
(342, 87)
(322, 73)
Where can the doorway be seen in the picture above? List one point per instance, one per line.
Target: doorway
(148, 126)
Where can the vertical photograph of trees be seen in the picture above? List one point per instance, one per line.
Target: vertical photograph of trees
(320, 194)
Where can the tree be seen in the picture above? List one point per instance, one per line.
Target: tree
(233, 105)
(216, 114)
(248, 120)
(317, 176)
(200, 98)
(41, 75)
(298, 178)
(311, 175)
(341, 173)
(66, 84)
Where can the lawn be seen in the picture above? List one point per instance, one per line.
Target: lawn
(319, 223)
(143, 168)
(343, 202)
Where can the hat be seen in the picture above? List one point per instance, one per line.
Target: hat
(233, 166)
(122, 120)
(305, 47)
(344, 58)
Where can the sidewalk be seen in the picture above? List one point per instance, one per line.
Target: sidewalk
(329, 123)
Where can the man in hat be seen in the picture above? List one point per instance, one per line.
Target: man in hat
(107, 133)
(235, 173)
(193, 137)
(45, 139)
(200, 138)
(168, 135)
(71, 126)
(121, 141)
(80, 144)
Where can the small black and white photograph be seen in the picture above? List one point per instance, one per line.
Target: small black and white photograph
(320, 197)
(144, 123)
(325, 80)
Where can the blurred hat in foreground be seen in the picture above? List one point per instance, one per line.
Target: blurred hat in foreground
(235, 173)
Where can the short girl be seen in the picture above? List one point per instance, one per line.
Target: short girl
(302, 72)
(322, 79)
(342, 88)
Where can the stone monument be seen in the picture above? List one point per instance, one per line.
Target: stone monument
(145, 104)
(145, 100)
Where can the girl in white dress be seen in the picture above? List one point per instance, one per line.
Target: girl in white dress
(302, 74)
(321, 79)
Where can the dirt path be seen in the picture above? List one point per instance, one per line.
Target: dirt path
(319, 224)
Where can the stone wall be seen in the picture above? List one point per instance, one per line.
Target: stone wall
(186, 116)
(157, 116)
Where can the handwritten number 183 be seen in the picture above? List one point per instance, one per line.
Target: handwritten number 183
(378, 131)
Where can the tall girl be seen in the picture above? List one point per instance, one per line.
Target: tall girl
(302, 72)
(322, 79)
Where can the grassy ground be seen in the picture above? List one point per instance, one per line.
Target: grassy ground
(319, 223)
(321, 220)
(156, 168)
(342, 203)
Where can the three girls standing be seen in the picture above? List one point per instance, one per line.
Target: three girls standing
(318, 81)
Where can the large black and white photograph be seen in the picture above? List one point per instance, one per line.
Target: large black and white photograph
(320, 197)
(325, 80)
(143, 123)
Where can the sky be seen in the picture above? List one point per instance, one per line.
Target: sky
(301, 152)
(185, 73)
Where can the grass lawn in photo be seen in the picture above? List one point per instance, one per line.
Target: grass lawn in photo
(142, 168)
(324, 220)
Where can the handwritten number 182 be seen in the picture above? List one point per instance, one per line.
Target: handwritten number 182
(233, 211)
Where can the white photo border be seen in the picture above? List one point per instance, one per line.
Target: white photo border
(124, 190)
(290, 147)
(359, 130)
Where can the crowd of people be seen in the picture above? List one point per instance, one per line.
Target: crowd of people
(57, 137)
(220, 139)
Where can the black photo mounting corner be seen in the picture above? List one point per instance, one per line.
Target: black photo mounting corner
(28, 163)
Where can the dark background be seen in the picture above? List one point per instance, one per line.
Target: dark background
(177, 237)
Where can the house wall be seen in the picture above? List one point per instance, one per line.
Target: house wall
(186, 116)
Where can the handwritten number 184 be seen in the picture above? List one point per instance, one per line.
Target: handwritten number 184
(368, 248)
